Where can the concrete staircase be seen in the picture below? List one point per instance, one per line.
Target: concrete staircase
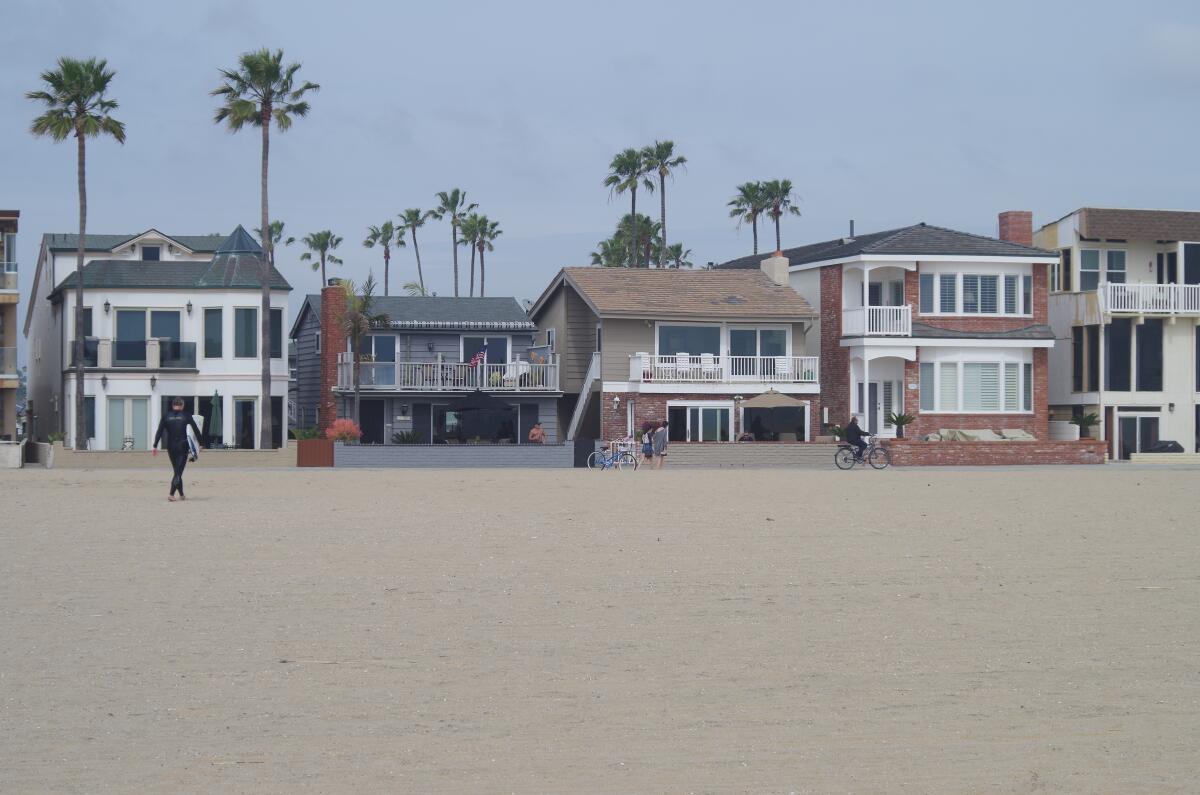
(751, 456)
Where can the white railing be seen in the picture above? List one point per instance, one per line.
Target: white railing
(877, 321)
(1152, 299)
(519, 376)
(711, 368)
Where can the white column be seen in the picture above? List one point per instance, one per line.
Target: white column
(866, 406)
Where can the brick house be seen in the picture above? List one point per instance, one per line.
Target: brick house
(638, 345)
(947, 326)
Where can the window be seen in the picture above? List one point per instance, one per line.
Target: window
(981, 386)
(689, 339)
(1027, 295)
(213, 333)
(152, 253)
(1077, 358)
(1012, 386)
(970, 293)
(87, 321)
(1150, 355)
(897, 293)
(89, 416)
(988, 298)
(1089, 269)
(1010, 295)
(928, 386)
(927, 293)
(948, 287)
(698, 423)
(1117, 351)
(245, 339)
(276, 333)
(1115, 271)
(378, 354)
(948, 383)
(598, 340)
(1065, 284)
(164, 324)
(317, 340)
(495, 349)
(552, 339)
(1093, 358)
(1027, 387)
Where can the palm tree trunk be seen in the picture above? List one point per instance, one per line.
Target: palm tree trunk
(776, 215)
(387, 258)
(662, 199)
(323, 282)
(472, 290)
(633, 257)
(417, 250)
(80, 441)
(264, 435)
(454, 243)
(754, 226)
(481, 273)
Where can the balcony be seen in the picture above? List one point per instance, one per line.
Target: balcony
(158, 354)
(8, 362)
(519, 376)
(1150, 299)
(877, 321)
(8, 276)
(709, 368)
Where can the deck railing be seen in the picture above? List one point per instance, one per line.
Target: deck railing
(1151, 299)
(713, 368)
(519, 376)
(877, 321)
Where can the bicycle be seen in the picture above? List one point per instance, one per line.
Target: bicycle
(876, 455)
(613, 458)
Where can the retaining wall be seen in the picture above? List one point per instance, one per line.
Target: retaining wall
(916, 453)
(455, 456)
(66, 458)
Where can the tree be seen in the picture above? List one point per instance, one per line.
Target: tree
(626, 173)
(261, 91)
(614, 252)
(357, 320)
(488, 232)
(610, 253)
(76, 105)
(453, 205)
(661, 159)
(468, 238)
(414, 289)
(276, 239)
(411, 220)
(677, 255)
(778, 195)
(385, 235)
(748, 205)
(322, 245)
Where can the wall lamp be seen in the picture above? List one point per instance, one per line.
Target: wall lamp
(189, 307)
(153, 381)
(616, 402)
(107, 306)
(104, 382)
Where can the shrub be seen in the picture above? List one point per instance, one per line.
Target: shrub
(343, 430)
(306, 433)
(55, 436)
(406, 437)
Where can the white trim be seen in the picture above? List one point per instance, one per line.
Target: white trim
(462, 349)
(727, 405)
(944, 342)
(715, 388)
(903, 258)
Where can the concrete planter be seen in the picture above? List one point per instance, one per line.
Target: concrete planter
(454, 456)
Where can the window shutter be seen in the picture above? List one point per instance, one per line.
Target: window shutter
(887, 403)
(970, 293)
(1010, 295)
(1028, 396)
(988, 298)
(948, 387)
(981, 386)
(947, 288)
(928, 387)
(1011, 387)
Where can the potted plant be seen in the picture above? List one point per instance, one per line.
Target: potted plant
(836, 431)
(344, 430)
(899, 421)
(1085, 422)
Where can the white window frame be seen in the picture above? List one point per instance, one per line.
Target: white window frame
(1124, 265)
(708, 404)
(552, 339)
(156, 246)
(957, 362)
(1100, 264)
(317, 335)
(203, 343)
(462, 347)
(727, 349)
(957, 276)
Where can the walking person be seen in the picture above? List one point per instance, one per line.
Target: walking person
(660, 445)
(173, 432)
(647, 442)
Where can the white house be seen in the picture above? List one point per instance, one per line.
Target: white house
(164, 317)
(1125, 306)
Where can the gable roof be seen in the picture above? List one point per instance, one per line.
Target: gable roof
(918, 240)
(133, 274)
(439, 313)
(681, 294)
(1101, 223)
(58, 241)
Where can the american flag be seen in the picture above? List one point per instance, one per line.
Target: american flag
(480, 357)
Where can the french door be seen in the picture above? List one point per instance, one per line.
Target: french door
(128, 423)
(1136, 434)
(699, 422)
(882, 398)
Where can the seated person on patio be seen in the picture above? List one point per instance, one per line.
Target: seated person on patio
(536, 434)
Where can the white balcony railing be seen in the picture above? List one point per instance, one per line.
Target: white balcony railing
(517, 376)
(1151, 299)
(877, 321)
(711, 368)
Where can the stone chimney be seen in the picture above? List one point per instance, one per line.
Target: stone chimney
(1016, 226)
(776, 268)
(333, 342)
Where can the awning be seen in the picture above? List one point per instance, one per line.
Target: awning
(478, 401)
(771, 399)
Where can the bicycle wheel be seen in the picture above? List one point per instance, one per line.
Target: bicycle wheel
(596, 460)
(844, 458)
(627, 459)
(879, 458)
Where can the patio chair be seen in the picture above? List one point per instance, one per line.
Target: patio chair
(683, 365)
(709, 370)
(783, 368)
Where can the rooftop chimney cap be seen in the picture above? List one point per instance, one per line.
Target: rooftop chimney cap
(333, 281)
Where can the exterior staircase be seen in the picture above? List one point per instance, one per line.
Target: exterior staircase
(753, 455)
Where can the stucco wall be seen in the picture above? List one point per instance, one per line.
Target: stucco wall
(461, 456)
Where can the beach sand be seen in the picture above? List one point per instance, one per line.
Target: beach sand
(1031, 630)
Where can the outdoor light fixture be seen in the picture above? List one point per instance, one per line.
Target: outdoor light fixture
(153, 381)
(104, 381)
(1170, 407)
(189, 307)
(616, 402)
(107, 306)
(429, 347)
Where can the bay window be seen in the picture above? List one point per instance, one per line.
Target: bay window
(976, 387)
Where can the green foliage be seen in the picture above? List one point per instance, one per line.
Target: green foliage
(261, 89)
(406, 437)
(837, 431)
(900, 420)
(277, 238)
(306, 433)
(321, 244)
(55, 436)
(1085, 421)
(748, 205)
(76, 102)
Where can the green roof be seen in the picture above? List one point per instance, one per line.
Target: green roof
(224, 273)
(57, 241)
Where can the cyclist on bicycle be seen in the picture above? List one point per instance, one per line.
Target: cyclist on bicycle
(854, 436)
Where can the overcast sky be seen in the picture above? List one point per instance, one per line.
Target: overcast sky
(876, 111)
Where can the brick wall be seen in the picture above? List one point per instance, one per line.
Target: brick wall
(653, 408)
(333, 341)
(835, 360)
(912, 293)
(906, 452)
(1016, 226)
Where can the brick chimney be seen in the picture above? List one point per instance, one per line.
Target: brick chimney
(333, 342)
(776, 268)
(1016, 226)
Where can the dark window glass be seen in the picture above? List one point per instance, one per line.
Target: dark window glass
(688, 339)
(927, 293)
(1077, 358)
(213, 336)
(89, 416)
(151, 253)
(164, 325)
(277, 334)
(1010, 294)
(1118, 343)
(1066, 270)
(245, 340)
(1115, 267)
(497, 349)
(1173, 268)
(1027, 295)
(87, 321)
(1191, 263)
(875, 294)
(1089, 269)
(897, 293)
(1150, 355)
(1093, 358)
(277, 421)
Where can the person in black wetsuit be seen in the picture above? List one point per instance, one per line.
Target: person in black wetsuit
(855, 434)
(172, 431)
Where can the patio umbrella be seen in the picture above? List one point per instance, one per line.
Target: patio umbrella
(772, 399)
(214, 421)
(478, 401)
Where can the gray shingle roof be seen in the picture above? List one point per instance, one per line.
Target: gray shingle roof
(916, 240)
(438, 312)
(57, 241)
(132, 274)
(1122, 224)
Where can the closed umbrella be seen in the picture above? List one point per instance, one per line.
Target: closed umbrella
(215, 421)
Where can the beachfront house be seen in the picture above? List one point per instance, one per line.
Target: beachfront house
(1125, 306)
(163, 316)
(417, 370)
(687, 346)
(945, 326)
(10, 379)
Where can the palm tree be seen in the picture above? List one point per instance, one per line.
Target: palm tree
(385, 235)
(661, 159)
(414, 288)
(276, 239)
(488, 232)
(357, 319)
(76, 105)
(749, 203)
(261, 91)
(778, 195)
(322, 244)
(611, 253)
(411, 220)
(625, 173)
(469, 237)
(453, 204)
(677, 255)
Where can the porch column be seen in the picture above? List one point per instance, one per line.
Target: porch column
(866, 391)
(866, 289)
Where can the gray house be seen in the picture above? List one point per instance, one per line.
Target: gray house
(417, 369)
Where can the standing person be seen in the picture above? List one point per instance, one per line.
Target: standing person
(660, 445)
(854, 435)
(647, 442)
(172, 430)
(536, 434)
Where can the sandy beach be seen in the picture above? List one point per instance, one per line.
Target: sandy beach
(1033, 630)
